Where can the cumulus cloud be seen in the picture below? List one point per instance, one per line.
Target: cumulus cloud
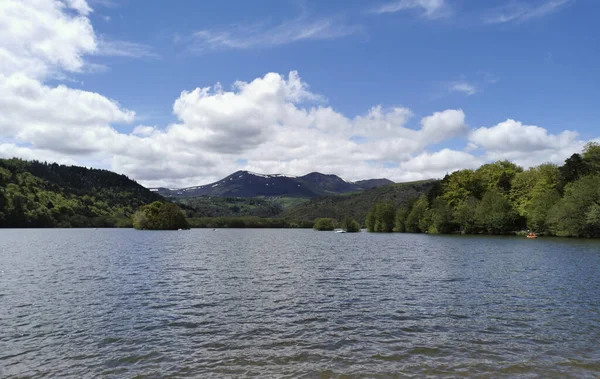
(525, 144)
(273, 123)
(39, 37)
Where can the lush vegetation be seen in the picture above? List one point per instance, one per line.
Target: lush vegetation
(350, 225)
(160, 216)
(246, 222)
(357, 205)
(212, 206)
(35, 194)
(502, 198)
(324, 224)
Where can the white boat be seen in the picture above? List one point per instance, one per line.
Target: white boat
(340, 231)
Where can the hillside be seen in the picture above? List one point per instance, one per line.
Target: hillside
(357, 205)
(249, 184)
(35, 194)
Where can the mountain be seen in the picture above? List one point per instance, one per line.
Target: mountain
(357, 205)
(373, 183)
(250, 184)
(35, 194)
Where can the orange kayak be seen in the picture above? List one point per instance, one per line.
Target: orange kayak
(534, 236)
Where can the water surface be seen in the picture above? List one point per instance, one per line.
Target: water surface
(296, 304)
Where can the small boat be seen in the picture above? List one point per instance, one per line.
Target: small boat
(531, 235)
(340, 231)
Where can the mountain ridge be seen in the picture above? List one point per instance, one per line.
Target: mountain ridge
(245, 183)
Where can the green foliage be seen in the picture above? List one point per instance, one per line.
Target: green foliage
(497, 176)
(573, 169)
(591, 157)
(358, 205)
(400, 222)
(211, 206)
(416, 221)
(382, 217)
(324, 224)
(531, 183)
(495, 214)
(246, 222)
(575, 215)
(350, 225)
(538, 209)
(441, 217)
(464, 215)
(38, 195)
(461, 185)
(160, 216)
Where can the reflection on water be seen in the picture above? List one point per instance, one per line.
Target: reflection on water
(296, 303)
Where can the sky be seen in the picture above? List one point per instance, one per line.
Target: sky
(185, 92)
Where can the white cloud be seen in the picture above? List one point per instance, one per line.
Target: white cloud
(302, 28)
(275, 123)
(124, 49)
(142, 130)
(80, 6)
(431, 9)
(524, 11)
(463, 87)
(527, 145)
(38, 37)
(437, 164)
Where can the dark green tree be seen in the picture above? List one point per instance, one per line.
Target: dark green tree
(160, 216)
(350, 225)
(495, 214)
(415, 221)
(324, 224)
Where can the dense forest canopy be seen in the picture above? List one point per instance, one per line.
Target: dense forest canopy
(501, 198)
(36, 194)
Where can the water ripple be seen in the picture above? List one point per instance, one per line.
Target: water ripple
(296, 304)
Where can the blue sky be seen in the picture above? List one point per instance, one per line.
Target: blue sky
(512, 69)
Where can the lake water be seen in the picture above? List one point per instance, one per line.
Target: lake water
(296, 304)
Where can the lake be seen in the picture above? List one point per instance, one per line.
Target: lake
(116, 303)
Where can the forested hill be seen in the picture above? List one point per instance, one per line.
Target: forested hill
(357, 205)
(36, 194)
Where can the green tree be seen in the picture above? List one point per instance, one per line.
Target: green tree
(591, 157)
(441, 216)
(350, 225)
(528, 184)
(460, 186)
(160, 216)
(414, 220)
(400, 222)
(464, 215)
(574, 214)
(370, 220)
(385, 217)
(573, 168)
(497, 175)
(324, 224)
(495, 214)
(538, 208)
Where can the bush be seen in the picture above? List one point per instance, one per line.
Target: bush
(160, 216)
(350, 225)
(324, 224)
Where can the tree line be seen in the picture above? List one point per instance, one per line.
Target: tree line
(503, 198)
(41, 195)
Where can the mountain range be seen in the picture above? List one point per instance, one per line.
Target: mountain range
(250, 184)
